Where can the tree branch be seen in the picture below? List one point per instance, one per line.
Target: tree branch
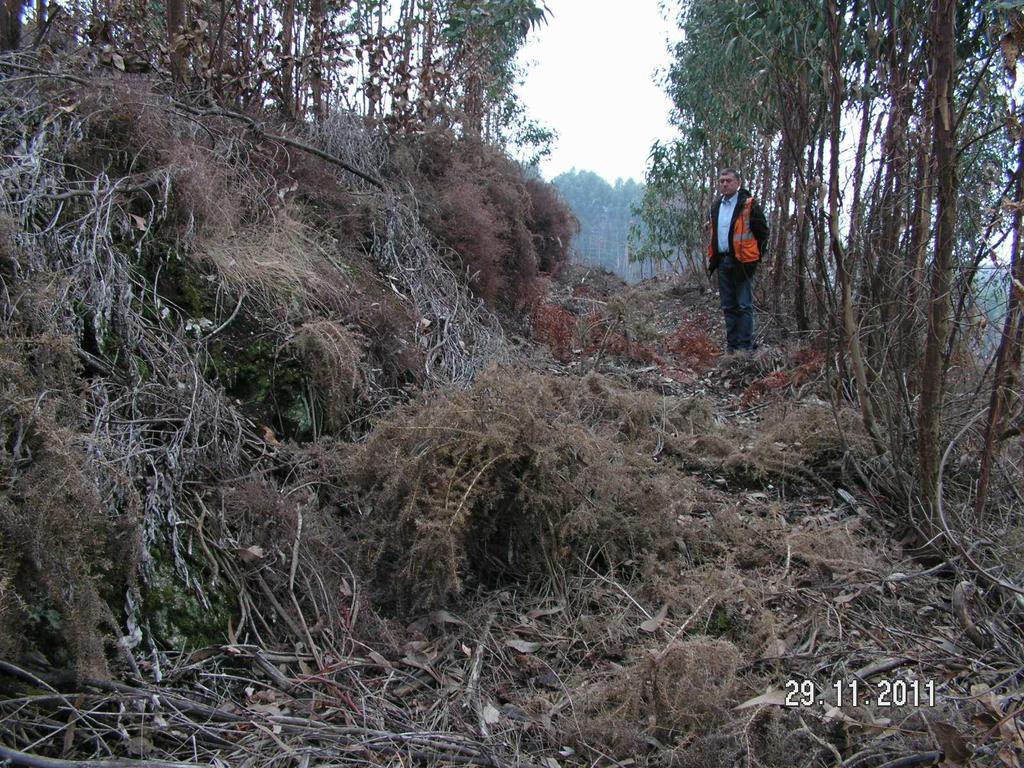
(288, 141)
(14, 757)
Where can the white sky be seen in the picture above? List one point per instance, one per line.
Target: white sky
(591, 77)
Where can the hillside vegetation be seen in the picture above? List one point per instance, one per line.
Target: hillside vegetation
(316, 450)
(605, 213)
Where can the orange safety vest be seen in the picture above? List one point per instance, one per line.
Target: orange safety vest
(744, 246)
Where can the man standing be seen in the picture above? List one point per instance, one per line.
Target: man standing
(738, 233)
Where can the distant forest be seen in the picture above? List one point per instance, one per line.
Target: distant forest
(605, 214)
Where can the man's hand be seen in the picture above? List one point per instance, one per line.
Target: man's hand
(712, 265)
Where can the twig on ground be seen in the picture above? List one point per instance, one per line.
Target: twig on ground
(989, 577)
(14, 757)
(923, 758)
(475, 700)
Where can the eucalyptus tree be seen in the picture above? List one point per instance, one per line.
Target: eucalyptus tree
(1005, 401)
(671, 208)
(714, 111)
(409, 63)
(746, 86)
(863, 122)
(483, 39)
(605, 213)
(10, 24)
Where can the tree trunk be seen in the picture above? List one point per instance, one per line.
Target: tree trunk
(887, 274)
(317, 65)
(1008, 356)
(175, 27)
(473, 92)
(929, 416)
(856, 207)
(428, 82)
(842, 263)
(288, 57)
(217, 52)
(920, 230)
(780, 229)
(10, 24)
(42, 21)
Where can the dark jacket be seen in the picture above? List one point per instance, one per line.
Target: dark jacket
(758, 226)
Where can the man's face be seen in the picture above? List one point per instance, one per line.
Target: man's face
(728, 184)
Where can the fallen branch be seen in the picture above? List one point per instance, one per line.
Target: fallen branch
(475, 700)
(286, 140)
(433, 746)
(991, 578)
(14, 757)
(961, 610)
(924, 758)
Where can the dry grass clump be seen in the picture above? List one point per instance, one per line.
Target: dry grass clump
(483, 220)
(829, 547)
(284, 554)
(770, 737)
(801, 444)
(640, 417)
(748, 541)
(516, 477)
(64, 545)
(553, 225)
(208, 197)
(234, 234)
(502, 229)
(1011, 540)
(469, 224)
(62, 542)
(809, 436)
(691, 344)
(257, 514)
(668, 697)
(12, 608)
(720, 599)
(801, 367)
(705, 451)
(333, 354)
(196, 190)
(555, 326)
(281, 265)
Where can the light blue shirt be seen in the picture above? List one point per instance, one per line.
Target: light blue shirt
(724, 220)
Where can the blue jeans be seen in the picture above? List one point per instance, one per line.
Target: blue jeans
(736, 292)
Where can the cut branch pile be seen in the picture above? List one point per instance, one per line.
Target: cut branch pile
(459, 335)
(318, 719)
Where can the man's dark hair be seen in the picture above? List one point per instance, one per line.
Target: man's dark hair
(732, 172)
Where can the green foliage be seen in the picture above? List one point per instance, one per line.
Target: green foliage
(484, 38)
(177, 280)
(526, 138)
(748, 78)
(719, 623)
(507, 21)
(720, 83)
(672, 207)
